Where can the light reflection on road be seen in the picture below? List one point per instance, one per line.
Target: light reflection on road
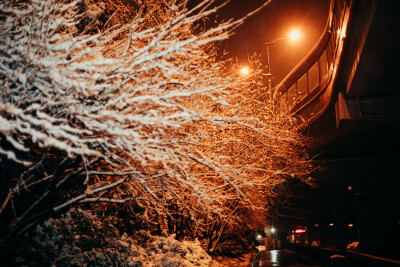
(282, 258)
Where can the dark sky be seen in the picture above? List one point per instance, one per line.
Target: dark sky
(274, 21)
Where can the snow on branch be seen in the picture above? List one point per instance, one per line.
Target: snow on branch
(145, 98)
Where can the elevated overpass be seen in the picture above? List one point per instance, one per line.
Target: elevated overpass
(347, 93)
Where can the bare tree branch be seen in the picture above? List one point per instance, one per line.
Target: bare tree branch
(145, 107)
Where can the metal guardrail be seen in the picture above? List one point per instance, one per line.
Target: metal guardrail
(308, 81)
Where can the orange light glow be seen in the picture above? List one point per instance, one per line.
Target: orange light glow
(294, 35)
(244, 71)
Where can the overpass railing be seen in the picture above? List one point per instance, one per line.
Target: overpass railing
(305, 91)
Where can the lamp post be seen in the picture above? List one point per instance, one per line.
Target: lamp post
(273, 236)
(293, 35)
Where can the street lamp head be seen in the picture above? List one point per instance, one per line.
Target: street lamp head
(294, 35)
(244, 71)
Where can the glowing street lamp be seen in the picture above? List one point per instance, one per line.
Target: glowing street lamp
(293, 36)
(244, 71)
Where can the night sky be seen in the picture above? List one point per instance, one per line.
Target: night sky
(274, 21)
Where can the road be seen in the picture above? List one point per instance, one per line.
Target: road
(282, 258)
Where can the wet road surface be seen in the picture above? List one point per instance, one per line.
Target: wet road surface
(282, 258)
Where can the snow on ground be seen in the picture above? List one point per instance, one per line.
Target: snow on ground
(82, 239)
(242, 261)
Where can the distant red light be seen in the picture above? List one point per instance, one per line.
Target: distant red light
(299, 231)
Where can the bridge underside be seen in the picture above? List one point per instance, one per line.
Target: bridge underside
(358, 142)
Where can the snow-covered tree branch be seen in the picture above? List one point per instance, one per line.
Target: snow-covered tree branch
(96, 108)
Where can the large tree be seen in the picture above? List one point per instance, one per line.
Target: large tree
(125, 103)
